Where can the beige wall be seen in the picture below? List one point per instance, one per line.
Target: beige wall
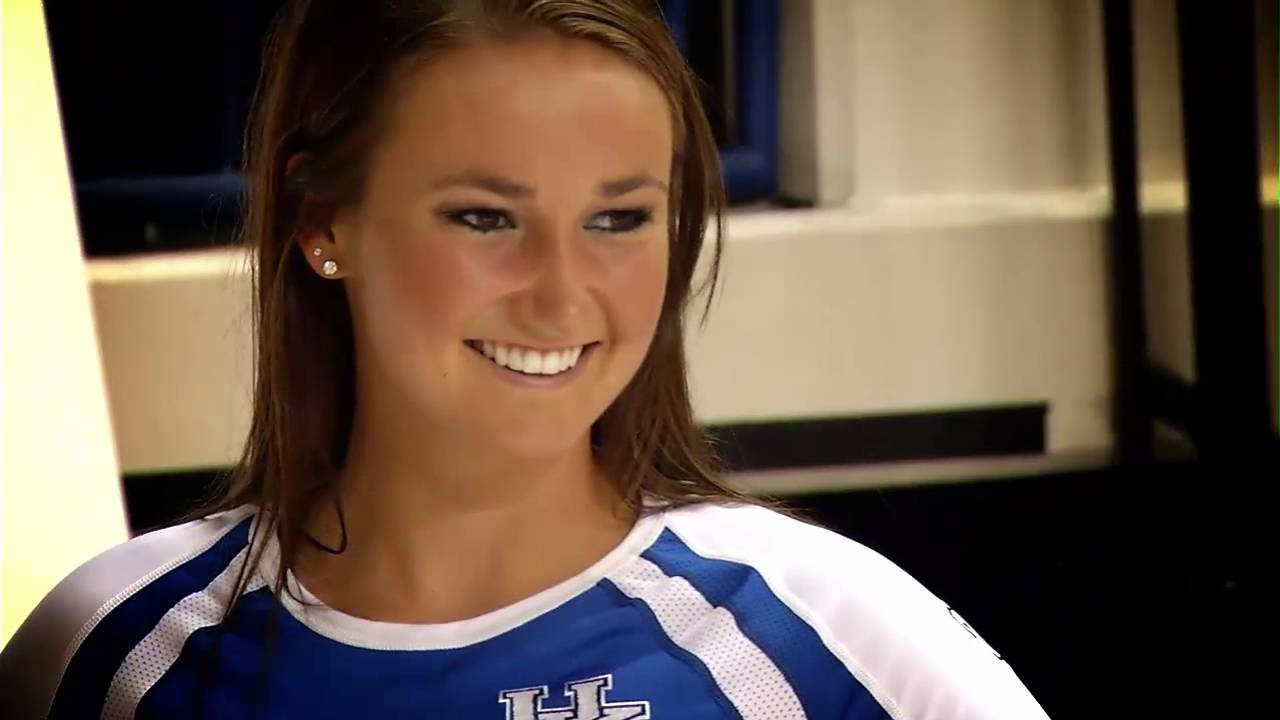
(990, 104)
(957, 258)
(821, 313)
(975, 97)
(981, 97)
(178, 355)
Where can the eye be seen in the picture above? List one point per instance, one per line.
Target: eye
(481, 220)
(621, 221)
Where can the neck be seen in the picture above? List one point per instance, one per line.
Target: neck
(440, 528)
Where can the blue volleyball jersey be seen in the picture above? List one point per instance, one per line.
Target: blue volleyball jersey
(704, 612)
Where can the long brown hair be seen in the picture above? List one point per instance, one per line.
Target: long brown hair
(326, 63)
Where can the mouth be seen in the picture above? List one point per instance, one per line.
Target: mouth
(530, 363)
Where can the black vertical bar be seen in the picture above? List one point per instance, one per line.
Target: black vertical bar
(1217, 61)
(1129, 333)
(1228, 570)
(232, 73)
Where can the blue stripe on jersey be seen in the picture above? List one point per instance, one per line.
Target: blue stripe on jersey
(684, 655)
(84, 685)
(302, 674)
(824, 686)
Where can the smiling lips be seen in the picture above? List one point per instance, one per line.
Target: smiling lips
(527, 360)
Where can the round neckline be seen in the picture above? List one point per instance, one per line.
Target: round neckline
(382, 635)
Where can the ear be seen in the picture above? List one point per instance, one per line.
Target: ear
(315, 235)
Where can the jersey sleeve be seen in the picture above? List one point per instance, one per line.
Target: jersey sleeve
(925, 659)
(908, 649)
(33, 662)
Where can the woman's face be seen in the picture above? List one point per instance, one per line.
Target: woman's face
(516, 212)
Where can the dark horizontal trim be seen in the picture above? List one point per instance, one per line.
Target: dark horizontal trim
(159, 497)
(945, 434)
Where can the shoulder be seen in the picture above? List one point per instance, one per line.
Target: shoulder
(821, 605)
(83, 629)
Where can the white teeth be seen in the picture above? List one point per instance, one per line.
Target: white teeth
(551, 363)
(530, 362)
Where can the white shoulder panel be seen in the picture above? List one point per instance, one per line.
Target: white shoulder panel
(907, 647)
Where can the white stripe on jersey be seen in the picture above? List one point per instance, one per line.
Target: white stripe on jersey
(151, 658)
(744, 673)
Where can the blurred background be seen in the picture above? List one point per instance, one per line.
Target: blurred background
(999, 301)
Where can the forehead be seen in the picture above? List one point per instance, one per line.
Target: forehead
(540, 105)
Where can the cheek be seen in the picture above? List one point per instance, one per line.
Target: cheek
(416, 286)
(637, 292)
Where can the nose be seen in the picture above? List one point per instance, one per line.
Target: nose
(557, 293)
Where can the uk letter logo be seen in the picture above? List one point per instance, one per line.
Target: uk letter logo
(586, 702)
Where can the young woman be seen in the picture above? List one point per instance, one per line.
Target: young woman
(473, 487)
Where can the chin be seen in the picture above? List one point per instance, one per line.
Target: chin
(537, 436)
(543, 444)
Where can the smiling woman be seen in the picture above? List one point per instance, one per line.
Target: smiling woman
(473, 483)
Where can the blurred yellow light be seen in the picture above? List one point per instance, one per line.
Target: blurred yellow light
(60, 500)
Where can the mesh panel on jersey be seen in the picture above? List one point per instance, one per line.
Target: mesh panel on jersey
(744, 673)
(151, 659)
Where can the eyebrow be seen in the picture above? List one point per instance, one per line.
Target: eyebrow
(622, 186)
(512, 189)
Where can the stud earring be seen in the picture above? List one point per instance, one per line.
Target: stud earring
(330, 268)
(317, 252)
